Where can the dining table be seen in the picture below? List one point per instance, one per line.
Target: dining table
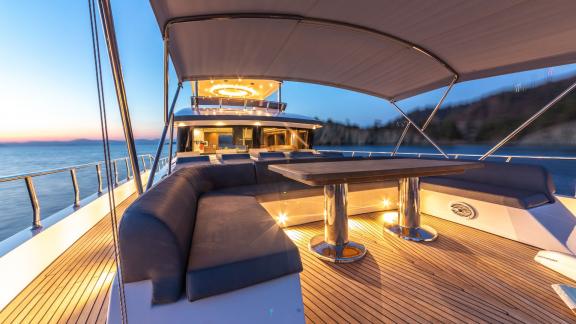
(334, 244)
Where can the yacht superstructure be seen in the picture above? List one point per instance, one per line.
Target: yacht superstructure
(250, 224)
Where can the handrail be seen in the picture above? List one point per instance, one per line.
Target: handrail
(455, 156)
(72, 170)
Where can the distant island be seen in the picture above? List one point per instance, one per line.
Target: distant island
(486, 120)
(80, 141)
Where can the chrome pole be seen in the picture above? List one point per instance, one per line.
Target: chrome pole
(99, 176)
(34, 201)
(76, 187)
(157, 158)
(196, 92)
(429, 120)
(112, 45)
(529, 121)
(171, 120)
(115, 165)
(418, 129)
(166, 78)
(143, 163)
(127, 169)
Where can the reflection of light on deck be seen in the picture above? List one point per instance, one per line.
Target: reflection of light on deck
(292, 234)
(353, 224)
(390, 217)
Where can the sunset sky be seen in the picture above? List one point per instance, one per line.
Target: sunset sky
(47, 83)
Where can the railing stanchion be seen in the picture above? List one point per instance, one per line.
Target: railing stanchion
(99, 176)
(143, 164)
(508, 159)
(115, 166)
(34, 201)
(76, 187)
(127, 169)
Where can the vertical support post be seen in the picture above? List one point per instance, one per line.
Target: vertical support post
(166, 78)
(99, 176)
(171, 120)
(430, 117)
(196, 92)
(76, 187)
(143, 163)
(110, 35)
(115, 165)
(127, 169)
(34, 201)
(529, 121)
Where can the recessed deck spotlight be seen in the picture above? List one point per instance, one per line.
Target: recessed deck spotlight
(282, 218)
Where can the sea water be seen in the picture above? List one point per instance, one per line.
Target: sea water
(55, 191)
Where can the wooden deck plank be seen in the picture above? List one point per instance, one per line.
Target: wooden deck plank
(47, 298)
(464, 276)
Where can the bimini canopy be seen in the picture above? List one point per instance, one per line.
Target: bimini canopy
(390, 49)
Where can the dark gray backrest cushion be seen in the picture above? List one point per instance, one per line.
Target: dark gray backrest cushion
(517, 176)
(267, 155)
(234, 156)
(219, 176)
(199, 158)
(155, 235)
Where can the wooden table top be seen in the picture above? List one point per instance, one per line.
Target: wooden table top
(323, 173)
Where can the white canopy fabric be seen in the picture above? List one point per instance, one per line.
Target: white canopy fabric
(390, 49)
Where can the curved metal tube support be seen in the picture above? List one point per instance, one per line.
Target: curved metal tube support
(419, 130)
(528, 122)
(429, 120)
(163, 138)
(277, 16)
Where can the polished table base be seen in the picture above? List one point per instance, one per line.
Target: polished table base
(334, 245)
(345, 253)
(408, 226)
(420, 234)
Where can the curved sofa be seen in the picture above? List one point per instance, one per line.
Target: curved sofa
(202, 231)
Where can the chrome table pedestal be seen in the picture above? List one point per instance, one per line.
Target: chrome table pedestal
(408, 226)
(334, 245)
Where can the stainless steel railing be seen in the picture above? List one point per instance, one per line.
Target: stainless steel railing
(455, 156)
(31, 189)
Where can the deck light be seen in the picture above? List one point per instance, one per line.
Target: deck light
(282, 218)
(386, 202)
(232, 90)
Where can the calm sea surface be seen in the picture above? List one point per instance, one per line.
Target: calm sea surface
(55, 191)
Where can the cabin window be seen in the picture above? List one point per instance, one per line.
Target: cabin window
(209, 140)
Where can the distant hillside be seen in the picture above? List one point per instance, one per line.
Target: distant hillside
(486, 120)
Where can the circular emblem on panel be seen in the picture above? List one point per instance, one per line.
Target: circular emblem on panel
(463, 210)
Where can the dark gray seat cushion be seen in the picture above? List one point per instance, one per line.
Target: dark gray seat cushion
(513, 185)
(236, 244)
(271, 155)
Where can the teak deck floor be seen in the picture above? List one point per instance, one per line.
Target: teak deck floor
(464, 276)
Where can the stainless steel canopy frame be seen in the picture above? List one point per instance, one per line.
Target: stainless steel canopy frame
(528, 121)
(430, 117)
(168, 122)
(112, 46)
(411, 122)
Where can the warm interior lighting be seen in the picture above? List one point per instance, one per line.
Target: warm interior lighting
(232, 90)
(390, 217)
(220, 123)
(196, 132)
(282, 218)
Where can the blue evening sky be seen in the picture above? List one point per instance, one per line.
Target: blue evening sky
(47, 87)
